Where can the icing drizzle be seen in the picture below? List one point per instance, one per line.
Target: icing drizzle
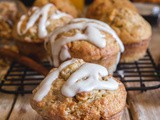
(40, 14)
(47, 82)
(92, 34)
(86, 78)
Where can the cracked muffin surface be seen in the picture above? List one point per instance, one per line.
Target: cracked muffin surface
(96, 104)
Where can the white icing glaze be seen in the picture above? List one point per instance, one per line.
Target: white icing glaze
(93, 73)
(58, 14)
(92, 34)
(23, 17)
(87, 78)
(40, 14)
(64, 53)
(45, 85)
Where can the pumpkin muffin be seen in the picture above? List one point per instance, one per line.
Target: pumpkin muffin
(79, 91)
(133, 30)
(8, 16)
(87, 39)
(63, 5)
(34, 27)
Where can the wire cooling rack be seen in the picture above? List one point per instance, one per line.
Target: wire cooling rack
(141, 75)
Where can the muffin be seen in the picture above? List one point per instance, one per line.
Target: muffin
(8, 15)
(63, 5)
(34, 27)
(87, 39)
(79, 91)
(100, 8)
(133, 30)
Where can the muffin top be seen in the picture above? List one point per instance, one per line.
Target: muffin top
(123, 17)
(101, 7)
(8, 11)
(79, 90)
(129, 25)
(83, 38)
(63, 5)
(36, 25)
(8, 15)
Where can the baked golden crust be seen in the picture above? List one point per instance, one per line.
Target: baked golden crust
(8, 15)
(129, 25)
(101, 7)
(8, 10)
(63, 5)
(93, 105)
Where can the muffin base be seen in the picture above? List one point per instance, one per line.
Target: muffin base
(135, 51)
(117, 116)
(33, 50)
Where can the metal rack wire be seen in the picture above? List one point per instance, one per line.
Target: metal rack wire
(141, 75)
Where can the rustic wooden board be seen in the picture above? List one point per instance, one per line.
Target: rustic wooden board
(6, 102)
(145, 106)
(23, 111)
(126, 115)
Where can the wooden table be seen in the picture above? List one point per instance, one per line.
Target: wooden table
(140, 106)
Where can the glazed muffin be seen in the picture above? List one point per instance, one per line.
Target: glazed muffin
(8, 15)
(79, 91)
(133, 30)
(34, 27)
(87, 39)
(63, 5)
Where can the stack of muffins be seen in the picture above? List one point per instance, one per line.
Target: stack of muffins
(84, 52)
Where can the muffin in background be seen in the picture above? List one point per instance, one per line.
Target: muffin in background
(63, 5)
(79, 91)
(87, 39)
(100, 8)
(8, 16)
(134, 31)
(34, 27)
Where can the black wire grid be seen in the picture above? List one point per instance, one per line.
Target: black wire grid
(141, 75)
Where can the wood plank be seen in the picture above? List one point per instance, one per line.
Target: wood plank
(145, 106)
(6, 102)
(23, 111)
(126, 115)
